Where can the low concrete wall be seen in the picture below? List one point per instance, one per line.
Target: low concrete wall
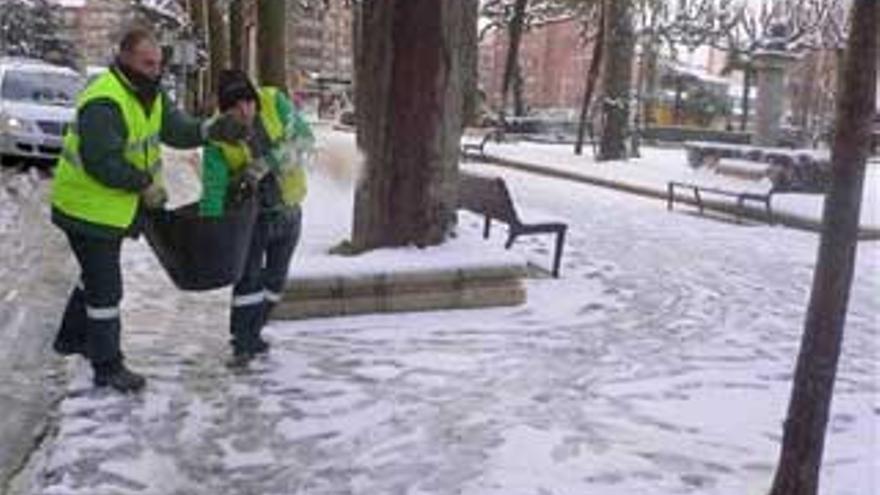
(400, 292)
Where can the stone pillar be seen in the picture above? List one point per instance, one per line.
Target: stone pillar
(770, 66)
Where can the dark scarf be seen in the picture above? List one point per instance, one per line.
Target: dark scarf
(146, 89)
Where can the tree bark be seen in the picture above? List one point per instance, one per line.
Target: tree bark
(519, 100)
(409, 81)
(618, 60)
(514, 36)
(470, 61)
(590, 84)
(651, 82)
(804, 432)
(678, 106)
(357, 29)
(236, 35)
(196, 97)
(218, 47)
(272, 43)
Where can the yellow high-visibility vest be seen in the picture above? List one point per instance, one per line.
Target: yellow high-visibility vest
(78, 194)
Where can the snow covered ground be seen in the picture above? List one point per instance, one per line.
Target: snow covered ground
(659, 364)
(658, 166)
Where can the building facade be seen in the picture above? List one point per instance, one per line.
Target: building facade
(319, 46)
(554, 60)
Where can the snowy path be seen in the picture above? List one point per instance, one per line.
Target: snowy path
(34, 278)
(659, 364)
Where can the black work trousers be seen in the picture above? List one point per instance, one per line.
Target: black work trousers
(91, 322)
(260, 287)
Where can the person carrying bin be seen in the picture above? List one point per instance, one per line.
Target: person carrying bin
(270, 164)
(108, 172)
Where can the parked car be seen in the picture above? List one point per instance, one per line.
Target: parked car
(37, 102)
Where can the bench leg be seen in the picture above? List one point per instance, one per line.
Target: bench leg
(740, 205)
(510, 239)
(670, 195)
(699, 200)
(557, 257)
(487, 225)
(770, 219)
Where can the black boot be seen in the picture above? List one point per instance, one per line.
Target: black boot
(68, 348)
(117, 376)
(240, 359)
(260, 346)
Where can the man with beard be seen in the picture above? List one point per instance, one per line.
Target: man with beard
(108, 172)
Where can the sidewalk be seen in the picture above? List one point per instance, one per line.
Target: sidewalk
(649, 176)
(616, 379)
(36, 273)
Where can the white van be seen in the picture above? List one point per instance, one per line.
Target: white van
(37, 102)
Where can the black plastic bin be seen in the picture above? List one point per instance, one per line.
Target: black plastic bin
(201, 253)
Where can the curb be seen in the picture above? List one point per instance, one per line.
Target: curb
(393, 292)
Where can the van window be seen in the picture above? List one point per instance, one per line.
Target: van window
(40, 87)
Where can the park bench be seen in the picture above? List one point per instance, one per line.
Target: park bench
(478, 150)
(489, 196)
(741, 197)
(790, 170)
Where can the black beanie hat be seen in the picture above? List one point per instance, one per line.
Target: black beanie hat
(232, 87)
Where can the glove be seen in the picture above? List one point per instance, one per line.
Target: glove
(224, 128)
(154, 196)
(255, 172)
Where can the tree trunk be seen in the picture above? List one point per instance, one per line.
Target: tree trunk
(198, 14)
(746, 101)
(514, 36)
(218, 47)
(678, 106)
(409, 94)
(808, 410)
(651, 82)
(590, 84)
(272, 43)
(357, 29)
(807, 89)
(470, 62)
(618, 60)
(519, 100)
(236, 35)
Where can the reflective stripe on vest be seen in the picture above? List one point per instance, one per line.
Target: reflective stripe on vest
(75, 192)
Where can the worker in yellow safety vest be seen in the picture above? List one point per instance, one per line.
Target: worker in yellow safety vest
(271, 163)
(108, 172)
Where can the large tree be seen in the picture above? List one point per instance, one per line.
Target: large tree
(470, 61)
(409, 105)
(236, 34)
(198, 14)
(218, 44)
(272, 42)
(592, 76)
(805, 426)
(619, 46)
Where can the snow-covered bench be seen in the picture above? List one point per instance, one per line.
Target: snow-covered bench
(791, 170)
(479, 148)
(741, 196)
(489, 196)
